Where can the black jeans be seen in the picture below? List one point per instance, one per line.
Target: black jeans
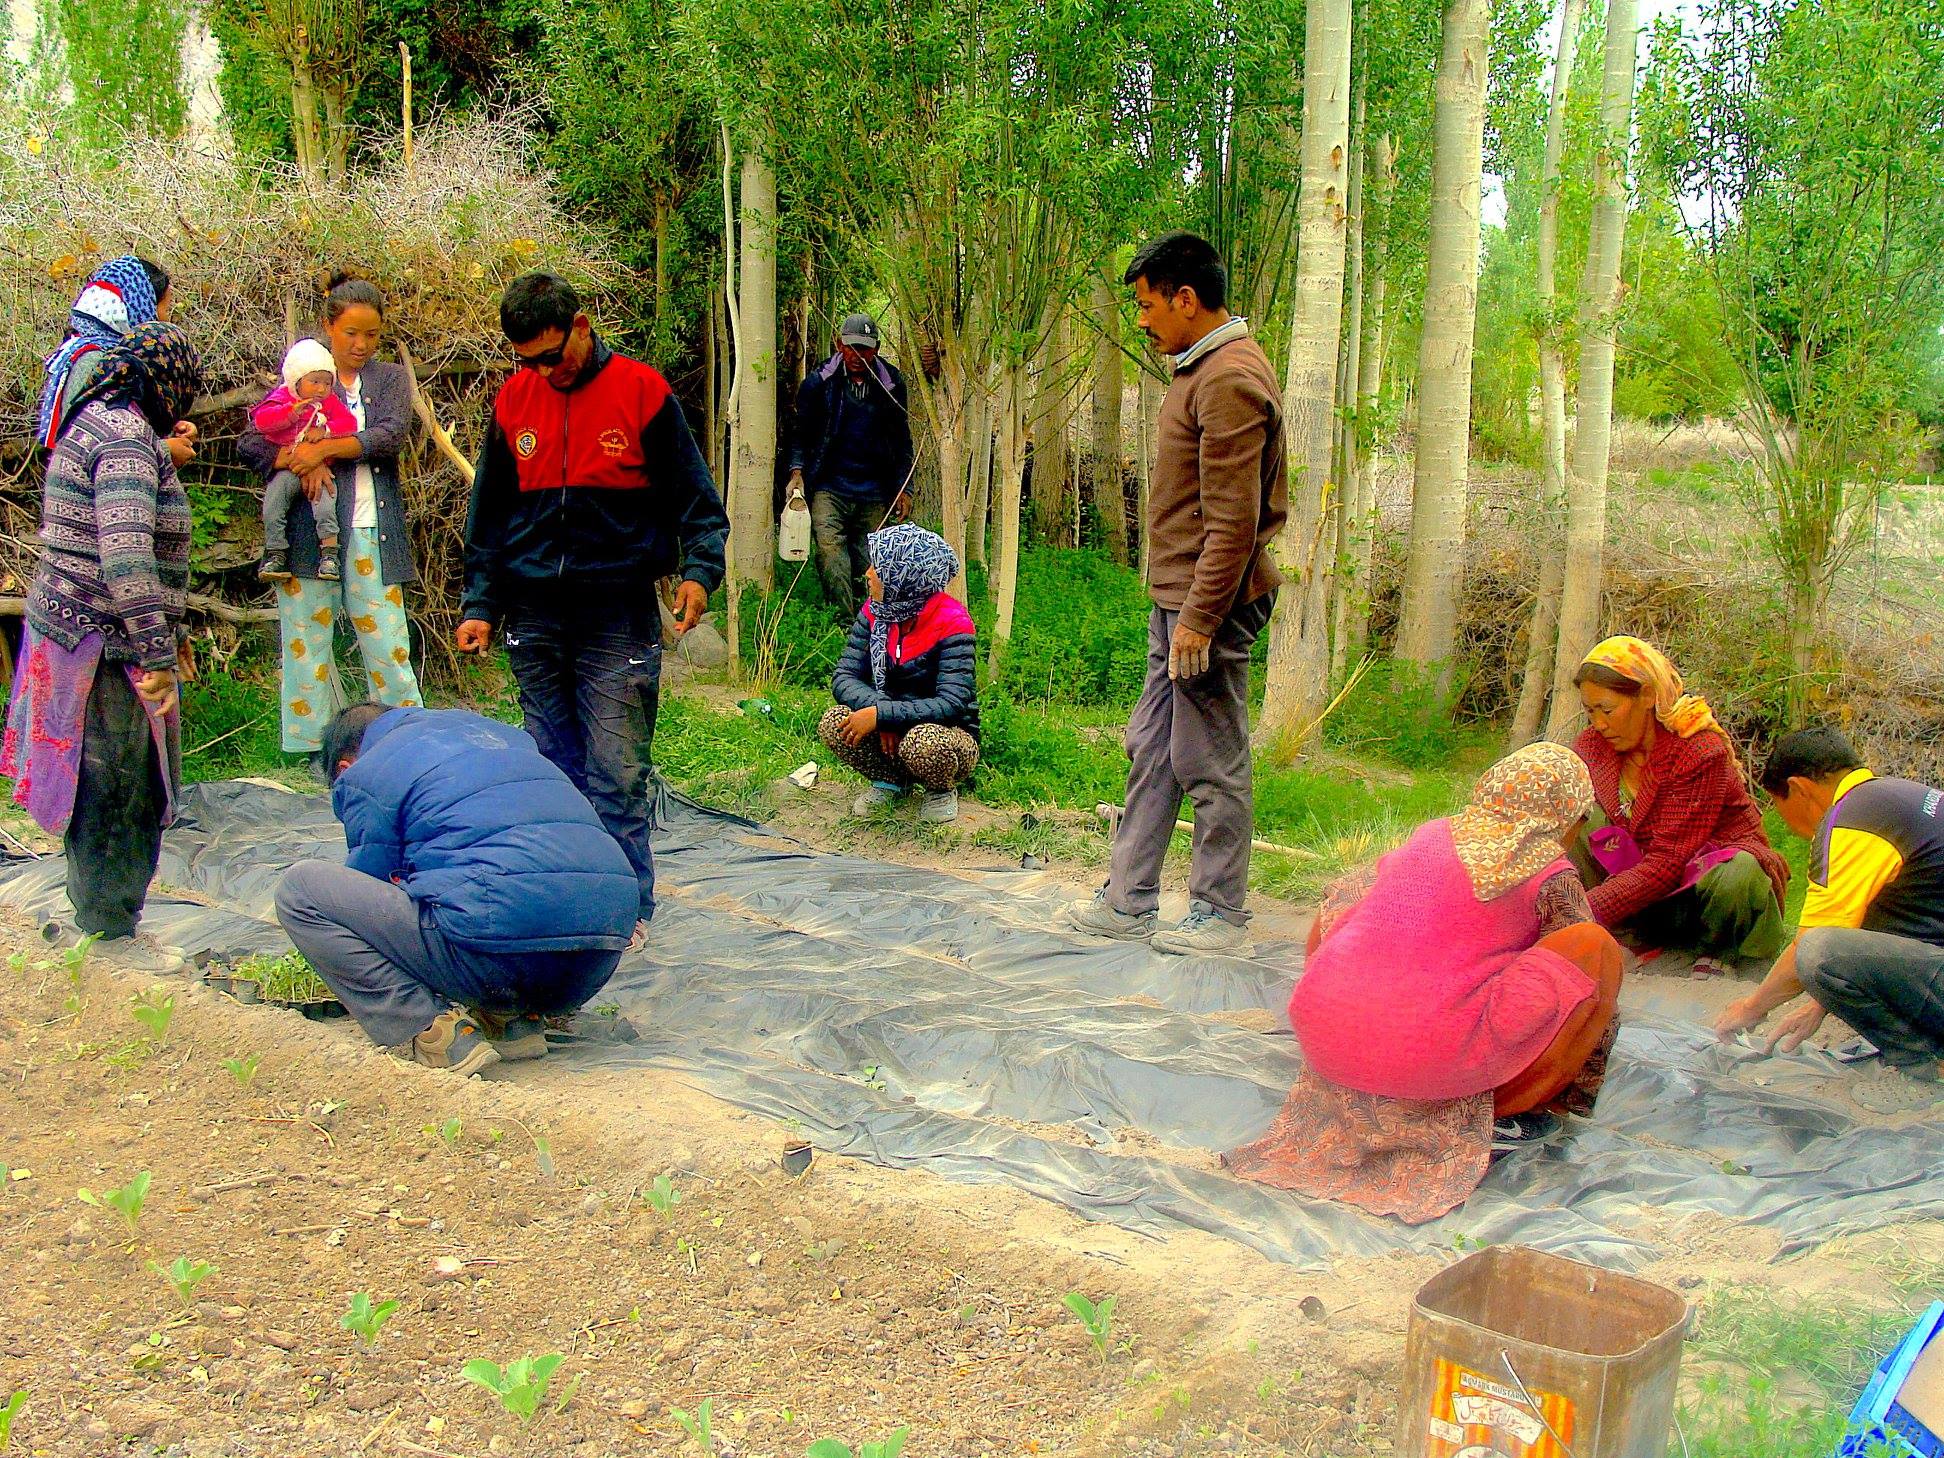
(1889, 988)
(589, 685)
(115, 837)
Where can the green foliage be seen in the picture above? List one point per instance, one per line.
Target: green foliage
(1398, 711)
(124, 61)
(154, 1009)
(243, 1069)
(233, 709)
(125, 1200)
(365, 1320)
(286, 978)
(521, 1385)
(1079, 630)
(9, 1410)
(698, 1424)
(662, 1195)
(183, 1276)
(891, 1447)
(1096, 1316)
(447, 1130)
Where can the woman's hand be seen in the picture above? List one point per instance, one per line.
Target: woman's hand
(861, 724)
(157, 688)
(186, 660)
(182, 443)
(307, 456)
(316, 482)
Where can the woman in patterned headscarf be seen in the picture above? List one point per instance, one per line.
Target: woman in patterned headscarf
(92, 738)
(907, 708)
(1462, 979)
(1675, 855)
(120, 294)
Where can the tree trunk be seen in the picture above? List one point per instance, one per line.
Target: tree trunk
(978, 494)
(1586, 479)
(305, 135)
(1047, 428)
(1434, 574)
(662, 321)
(1349, 374)
(1012, 469)
(945, 406)
(711, 386)
(1299, 640)
(1109, 498)
(1361, 507)
(752, 479)
(337, 134)
(1542, 636)
(1144, 448)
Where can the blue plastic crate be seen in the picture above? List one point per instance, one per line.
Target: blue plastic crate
(1878, 1427)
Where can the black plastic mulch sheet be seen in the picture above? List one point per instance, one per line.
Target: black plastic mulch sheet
(919, 1019)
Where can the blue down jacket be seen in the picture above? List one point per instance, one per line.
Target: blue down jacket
(492, 841)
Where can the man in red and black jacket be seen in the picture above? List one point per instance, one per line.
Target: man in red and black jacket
(589, 488)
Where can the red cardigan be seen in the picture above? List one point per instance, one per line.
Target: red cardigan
(1691, 797)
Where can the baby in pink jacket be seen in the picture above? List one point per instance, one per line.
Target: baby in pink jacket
(305, 407)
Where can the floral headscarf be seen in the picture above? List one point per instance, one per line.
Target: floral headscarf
(116, 297)
(154, 368)
(914, 565)
(1642, 663)
(1520, 808)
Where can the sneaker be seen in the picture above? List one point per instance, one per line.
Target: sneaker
(1898, 1090)
(515, 1039)
(275, 567)
(638, 938)
(453, 1043)
(1102, 920)
(1517, 1131)
(140, 953)
(876, 798)
(939, 806)
(327, 565)
(1201, 931)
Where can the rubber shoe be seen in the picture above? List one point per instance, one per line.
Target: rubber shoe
(876, 799)
(939, 807)
(1102, 920)
(1897, 1091)
(515, 1039)
(1202, 931)
(454, 1043)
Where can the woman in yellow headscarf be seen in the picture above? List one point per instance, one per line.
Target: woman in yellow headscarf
(1676, 855)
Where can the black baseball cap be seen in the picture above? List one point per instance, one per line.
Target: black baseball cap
(860, 331)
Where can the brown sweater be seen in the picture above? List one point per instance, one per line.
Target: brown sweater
(1220, 489)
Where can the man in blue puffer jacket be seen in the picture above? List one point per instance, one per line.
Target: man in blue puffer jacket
(480, 895)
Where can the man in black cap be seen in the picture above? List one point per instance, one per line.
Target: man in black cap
(851, 455)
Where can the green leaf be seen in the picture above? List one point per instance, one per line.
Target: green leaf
(827, 1448)
(487, 1374)
(9, 1410)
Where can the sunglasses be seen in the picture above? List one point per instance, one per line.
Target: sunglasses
(546, 360)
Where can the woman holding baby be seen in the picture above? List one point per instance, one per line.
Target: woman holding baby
(339, 448)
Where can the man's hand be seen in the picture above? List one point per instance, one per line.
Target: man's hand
(691, 601)
(901, 508)
(475, 635)
(157, 688)
(1188, 653)
(861, 724)
(182, 443)
(1800, 1024)
(1738, 1017)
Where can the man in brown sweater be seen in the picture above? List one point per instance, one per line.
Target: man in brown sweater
(1219, 496)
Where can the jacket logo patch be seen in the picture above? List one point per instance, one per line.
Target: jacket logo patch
(525, 444)
(614, 443)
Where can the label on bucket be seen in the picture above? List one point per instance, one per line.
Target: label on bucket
(1473, 1416)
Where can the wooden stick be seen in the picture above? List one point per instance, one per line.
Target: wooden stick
(423, 408)
(202, 602)
(242, 1184)
(1112, 815)
(405, 72)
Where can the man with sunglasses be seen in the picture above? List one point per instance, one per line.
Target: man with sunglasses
(589, 488)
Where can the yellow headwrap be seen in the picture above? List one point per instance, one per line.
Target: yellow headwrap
(1632, 658)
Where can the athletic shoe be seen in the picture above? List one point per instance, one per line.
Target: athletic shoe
(1898, 1090)
(275, 567)
(327, 565)
(140, 953)
(1202, 931)
(454, 1043)
(515, 1039)
(876, 798)
(1519, 1130)
(1102, 920)
(638, 938)
(939, 807)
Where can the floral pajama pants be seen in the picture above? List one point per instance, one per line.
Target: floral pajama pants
(375, 614)
(937, 756)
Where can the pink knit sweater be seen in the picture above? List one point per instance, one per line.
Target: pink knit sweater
(1420, 991)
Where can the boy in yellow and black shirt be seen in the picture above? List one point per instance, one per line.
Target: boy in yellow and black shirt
(1871, 947)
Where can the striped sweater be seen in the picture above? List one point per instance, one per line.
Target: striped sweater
(114, 540)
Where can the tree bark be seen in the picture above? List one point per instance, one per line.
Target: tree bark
(1048, 429)
(978, 494)
(1542, 635)
(305, 135)
(752, 479)
(1299, 639)
(1434, 574)
(1151, 392)
(1012, 469)
(663, 209)
(1349, 372)
(1109, 499)
(1586, 478)
(1353, 628)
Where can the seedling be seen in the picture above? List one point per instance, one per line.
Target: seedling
(366, 1320)
(183, 1276)
(686, 1249)
(662, 1195)
(543, 1156)
(154, 1009)
(288, 978)
(243, 1069)
(891, 1447)
(521, 1385)
(9, 1410)
(74, 958)
(868, 1076)
(1097, 1318)
(126, 1201)
(448, 1130)
(151, 1360)
(17, 962)
(697, 1425)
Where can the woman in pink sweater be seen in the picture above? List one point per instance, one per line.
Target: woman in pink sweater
(1462, 979)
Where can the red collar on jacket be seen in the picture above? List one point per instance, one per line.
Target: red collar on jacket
(944, 616)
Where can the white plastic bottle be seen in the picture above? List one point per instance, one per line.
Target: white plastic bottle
(793, 532)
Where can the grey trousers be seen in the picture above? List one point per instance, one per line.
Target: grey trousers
(1889, 988)
(842, 526)
(281, 493)
(1191, 738)
(395, 971)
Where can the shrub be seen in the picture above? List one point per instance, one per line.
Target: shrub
(1079, 631)
(1399, 711)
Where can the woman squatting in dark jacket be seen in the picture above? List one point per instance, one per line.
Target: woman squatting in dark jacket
(907, 709)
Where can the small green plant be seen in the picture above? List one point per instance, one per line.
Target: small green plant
(126, 1201)
(1096, 1317)
(243, 1069)
(152, 1359)
(154, 1009)
(543, 1157)
(17, 962)
(521, 1385)
(868, 1076)
(74, 958)
(448, 1130)
(662, 1195)
(183, 1276)
(9, 1410)
(366, 1320)
(698, 1424)
(891, 1447)
(288, 978)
